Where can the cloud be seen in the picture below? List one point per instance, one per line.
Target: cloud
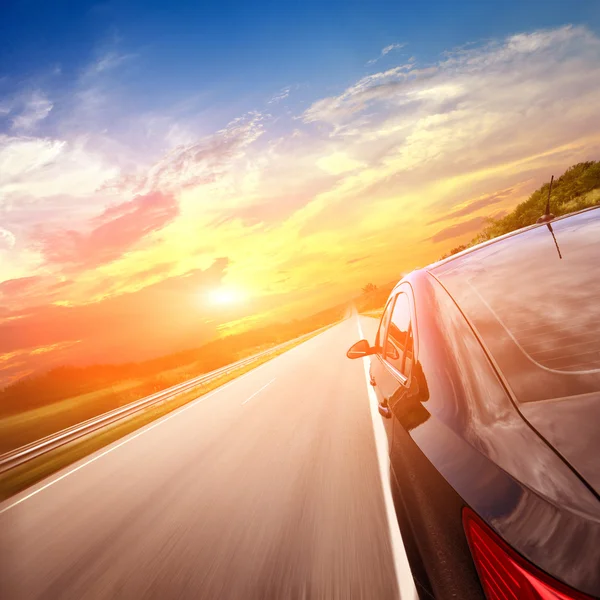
(385, 51)
(338, 162)
(476, 86)
(518, 46)
(42, 167)
(15, 287)
(35, 109)
(281, 95)
(391, 161)
(281, 198)
(391, 47)
(107, 62)
(378, 86)
(113, 233)
(158, 319)
(198, 163)
(161, 270)
(475, 205)
(7, 239)
(474, 122)
(454, 231)
(356, 260)
(20, 156)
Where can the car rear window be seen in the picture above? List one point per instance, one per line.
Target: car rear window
(534, 299)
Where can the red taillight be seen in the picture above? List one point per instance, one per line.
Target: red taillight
(506, 575)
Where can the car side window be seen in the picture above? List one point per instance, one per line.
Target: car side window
(408, 355)
(383, 324)
(398, 346)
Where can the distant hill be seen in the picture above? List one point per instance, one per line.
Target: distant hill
(577, 188)
(374, 298)
(153, 375)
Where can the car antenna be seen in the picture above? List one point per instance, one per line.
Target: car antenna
(547, 216)
(555, 240)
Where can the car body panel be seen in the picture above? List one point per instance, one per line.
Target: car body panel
(456, 412)
(532, 299)
(572, 426)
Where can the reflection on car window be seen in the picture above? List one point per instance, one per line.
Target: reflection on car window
(408, 355)
(398, 333)
(383, 325)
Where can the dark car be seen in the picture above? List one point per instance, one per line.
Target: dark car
(487, 371)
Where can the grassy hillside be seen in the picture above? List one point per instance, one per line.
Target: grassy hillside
(99, 388)
(577, 188)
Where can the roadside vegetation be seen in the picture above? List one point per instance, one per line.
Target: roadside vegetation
(372, 299)
(44, 404)
(29, 473)
(577, 188)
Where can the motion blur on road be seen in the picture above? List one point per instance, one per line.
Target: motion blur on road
(269, 487)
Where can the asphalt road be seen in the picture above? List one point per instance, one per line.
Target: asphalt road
(269, 487)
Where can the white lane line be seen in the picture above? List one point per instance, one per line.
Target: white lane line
(258, 391)
(404, 578)
(149, 427)
(130, 437)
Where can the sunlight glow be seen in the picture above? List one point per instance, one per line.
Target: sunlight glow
(225, 296)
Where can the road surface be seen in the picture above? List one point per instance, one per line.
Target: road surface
(269, 487)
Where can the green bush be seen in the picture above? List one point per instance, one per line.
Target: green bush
(577, 188)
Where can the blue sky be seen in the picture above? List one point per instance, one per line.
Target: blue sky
(233, 55)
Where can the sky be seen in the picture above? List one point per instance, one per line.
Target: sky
(174, 172)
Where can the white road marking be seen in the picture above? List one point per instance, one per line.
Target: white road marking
(150, 426)
(258, 391)
(404, 578)
(128, 439)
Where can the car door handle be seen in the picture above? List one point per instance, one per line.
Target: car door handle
(384, 409)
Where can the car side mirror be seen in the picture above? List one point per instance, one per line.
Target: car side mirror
(360, 349)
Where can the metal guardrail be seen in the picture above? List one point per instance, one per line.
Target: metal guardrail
(21, 455)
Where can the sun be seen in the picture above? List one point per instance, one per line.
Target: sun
(225, 296)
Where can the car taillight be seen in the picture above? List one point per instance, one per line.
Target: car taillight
(506, 575)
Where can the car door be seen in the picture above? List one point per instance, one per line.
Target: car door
(395, 360)
(377, 370)
(395, 357)
(407, 386)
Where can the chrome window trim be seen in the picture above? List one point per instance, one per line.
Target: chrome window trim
(402, 378)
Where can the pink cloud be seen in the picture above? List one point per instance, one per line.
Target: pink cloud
(15, 287)
(113, 233)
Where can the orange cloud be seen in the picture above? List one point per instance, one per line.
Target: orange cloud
(160, 318)
(105, 243)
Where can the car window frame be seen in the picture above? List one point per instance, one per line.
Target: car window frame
(408, 334)
(389, 304)
(407, 290)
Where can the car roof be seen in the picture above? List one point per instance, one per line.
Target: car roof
(532, 298)
(514, 237)
(507, 238)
